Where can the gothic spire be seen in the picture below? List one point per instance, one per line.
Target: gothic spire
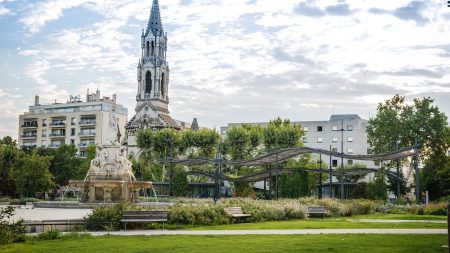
(154, 22)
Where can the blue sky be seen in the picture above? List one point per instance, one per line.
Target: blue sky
(230, 60)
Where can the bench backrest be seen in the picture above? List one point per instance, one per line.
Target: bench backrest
(233, 210)
(145, 214)
(317, 209)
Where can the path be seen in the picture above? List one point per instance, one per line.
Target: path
(274, 232)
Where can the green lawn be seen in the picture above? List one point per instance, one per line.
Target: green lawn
(338, 222)
(242, 243)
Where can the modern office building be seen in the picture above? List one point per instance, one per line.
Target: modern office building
(346, 130)
(95, 121)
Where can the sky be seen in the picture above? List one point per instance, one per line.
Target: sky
(230, 60)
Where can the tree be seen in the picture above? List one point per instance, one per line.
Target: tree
(32, 175)
(377, 189)
(421, 121)
(65, 164)
(180, 183)
(85, 164)
(392, 184)
(10, 157)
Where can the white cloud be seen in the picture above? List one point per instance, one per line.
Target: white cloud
(224, 60)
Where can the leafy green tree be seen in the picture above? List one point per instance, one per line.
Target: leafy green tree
(392, 184)
(32, 175)
(180, 183)
(10, 157)
(85, 164)
(421, 121)
(65, 164)
(377, 189)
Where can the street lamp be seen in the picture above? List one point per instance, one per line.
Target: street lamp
(398, 174)
(342, 158)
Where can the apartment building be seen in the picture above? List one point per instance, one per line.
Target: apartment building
(98, 120)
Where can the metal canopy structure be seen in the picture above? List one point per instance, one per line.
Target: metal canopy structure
(284, 154)
(278, 156)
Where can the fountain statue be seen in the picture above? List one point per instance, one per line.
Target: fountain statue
(110, 177)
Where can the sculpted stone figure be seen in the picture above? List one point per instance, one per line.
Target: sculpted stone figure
(121, 159)
(99, 162)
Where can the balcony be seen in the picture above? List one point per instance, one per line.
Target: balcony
(55, 145)
(56, 135)
(30, 124)
(28, 136)
(28, 146)
(86, 134)
(87, 122)
(58, 124)
(85, 144)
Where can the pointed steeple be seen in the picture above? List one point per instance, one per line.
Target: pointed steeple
(154, 22)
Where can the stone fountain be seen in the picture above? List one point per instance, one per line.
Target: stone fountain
(110, 177)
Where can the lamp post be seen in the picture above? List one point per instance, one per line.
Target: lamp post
(320, 176)
(170, 167)
(398, 174)
(342, 159)
(331, 177)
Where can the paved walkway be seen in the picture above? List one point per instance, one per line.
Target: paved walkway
(273, 232)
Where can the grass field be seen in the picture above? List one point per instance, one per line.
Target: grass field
(339, 222)
(235, 244)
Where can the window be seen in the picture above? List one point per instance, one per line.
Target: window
(44, 133)
(72, 141)
(153, 48)
(148, 82)
(319, 140)
(162, 84)
(44, 122)
(349, 127)
(147, 48)
(369, 151)
(349, 151)
(335, 139)
(305, 129)
(43, 143)
(334, 163)
(334, 150)
(319, 128)
(72, 131)
(350, 139)
(350, 162)
(335, 128)
(73, 121)
(305, 139)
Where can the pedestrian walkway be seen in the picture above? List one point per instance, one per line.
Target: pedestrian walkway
(273, 232)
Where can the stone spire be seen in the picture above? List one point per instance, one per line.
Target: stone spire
(154, 22)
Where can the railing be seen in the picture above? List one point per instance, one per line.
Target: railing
(58, 124)
(28, 146)
(30, 125)
(85, 144)
(86, 134)
(88, 122)
(55, 145)
(28, 135)
(57, 135)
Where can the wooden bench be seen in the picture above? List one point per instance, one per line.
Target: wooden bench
(144, 216)
(236, 212)
(317, 211)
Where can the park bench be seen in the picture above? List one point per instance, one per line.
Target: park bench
(317, 211)
(236, 212)
(144, 216)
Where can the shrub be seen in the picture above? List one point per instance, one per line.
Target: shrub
(105, 217)
(439, 208)
(10, 232)
(49, 235)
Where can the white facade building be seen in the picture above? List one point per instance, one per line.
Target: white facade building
(95, 121)
(328, 135)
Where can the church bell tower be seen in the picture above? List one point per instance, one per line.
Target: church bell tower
(153, 69)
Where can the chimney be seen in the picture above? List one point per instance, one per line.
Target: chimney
(36, 100)
(97, 94)
(114, 98)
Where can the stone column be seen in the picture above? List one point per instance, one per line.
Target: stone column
(91, 193)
